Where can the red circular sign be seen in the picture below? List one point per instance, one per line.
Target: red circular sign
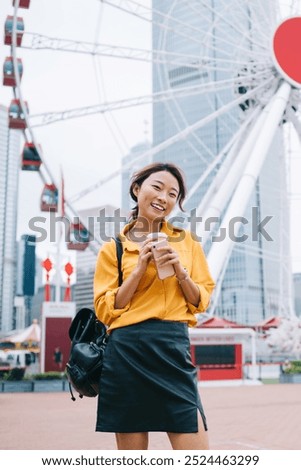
(287, 50)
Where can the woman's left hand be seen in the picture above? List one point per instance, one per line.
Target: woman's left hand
(170, 256)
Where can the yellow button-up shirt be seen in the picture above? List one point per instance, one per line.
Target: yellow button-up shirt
(154, 298)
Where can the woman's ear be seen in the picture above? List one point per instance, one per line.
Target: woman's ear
(136, 189)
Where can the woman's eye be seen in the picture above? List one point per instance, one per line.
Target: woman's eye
(172, 195)
(155, 186)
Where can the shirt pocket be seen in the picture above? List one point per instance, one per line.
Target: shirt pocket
(129, 263)
(148, 278)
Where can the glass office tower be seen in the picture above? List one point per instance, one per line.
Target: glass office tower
(257, 281)
(9, 171)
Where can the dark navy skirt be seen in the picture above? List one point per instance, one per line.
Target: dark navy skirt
(148, 382)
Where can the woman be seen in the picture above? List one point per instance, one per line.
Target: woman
(148, 381)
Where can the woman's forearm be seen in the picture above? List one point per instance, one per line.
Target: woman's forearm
(190, 289)
(127, 290)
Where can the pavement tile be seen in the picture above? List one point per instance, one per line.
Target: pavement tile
(241, 417)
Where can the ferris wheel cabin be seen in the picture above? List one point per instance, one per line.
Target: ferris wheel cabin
(78, 237)
(9, 78)
(16, 118)
(23, 3)
(31, 160)
(49, 198)
(8, 30)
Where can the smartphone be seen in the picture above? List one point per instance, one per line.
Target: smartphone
(162, 271)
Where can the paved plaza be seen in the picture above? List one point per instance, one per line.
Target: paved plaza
(239, 417)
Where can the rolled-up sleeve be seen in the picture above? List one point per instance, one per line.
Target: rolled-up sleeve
(106, 285)
(201, 276)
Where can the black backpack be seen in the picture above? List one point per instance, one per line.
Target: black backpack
(88, 341)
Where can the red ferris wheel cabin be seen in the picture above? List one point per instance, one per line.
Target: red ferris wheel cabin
(78, 237)
(31, 160)
(16, 118)
(49, 198)
(9, 78)
(22, 3)
(8, 31)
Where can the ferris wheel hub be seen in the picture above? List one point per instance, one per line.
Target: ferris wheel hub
(286, 50)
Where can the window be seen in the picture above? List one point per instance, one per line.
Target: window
(215, 354)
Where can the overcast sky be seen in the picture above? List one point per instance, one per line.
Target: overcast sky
(90, 148)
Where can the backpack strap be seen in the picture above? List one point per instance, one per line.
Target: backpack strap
(119, 252)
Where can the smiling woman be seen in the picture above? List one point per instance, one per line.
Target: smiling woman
(148, 319)
(163, 183)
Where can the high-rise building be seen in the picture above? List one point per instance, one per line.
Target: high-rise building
(26, 265)
(297, 293)
(257, 281)
(9, 172)
(26, 272)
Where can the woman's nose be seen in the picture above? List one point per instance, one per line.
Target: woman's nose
(162, 196)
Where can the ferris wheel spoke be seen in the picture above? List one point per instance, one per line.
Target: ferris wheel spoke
(145, 12)
(295, 121)
(132, 8)
(229, 155)
(217, 60)
(180, 125)
(40, 42)
(113, 127)
(180, 114)
(256, 18)
(37, 120)
(249, 175)
(243, 67)
(179, 136)
(220, 157)
(260, 252)
(222, 18)
(238, 5)
(237, 47)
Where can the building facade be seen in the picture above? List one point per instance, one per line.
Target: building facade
(257, 281)
(297, 293)
(26, 274)
(9, 172)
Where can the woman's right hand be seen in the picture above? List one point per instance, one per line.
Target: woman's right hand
(128, 288)
(145, 257)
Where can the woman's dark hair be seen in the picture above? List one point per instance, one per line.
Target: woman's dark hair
(144, 173)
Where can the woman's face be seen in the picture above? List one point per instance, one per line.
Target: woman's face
(157, 195)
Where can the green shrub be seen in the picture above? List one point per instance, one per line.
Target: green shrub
(294, 368)
(15, 374)
(48, 376)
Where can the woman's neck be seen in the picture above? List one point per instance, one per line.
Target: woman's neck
(144, 226)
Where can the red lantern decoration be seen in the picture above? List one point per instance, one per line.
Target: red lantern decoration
(47, 265)
(69, 271)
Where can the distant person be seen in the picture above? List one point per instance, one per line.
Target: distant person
(148, 381)
(58, 358)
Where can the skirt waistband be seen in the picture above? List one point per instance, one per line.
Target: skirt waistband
(166, 328)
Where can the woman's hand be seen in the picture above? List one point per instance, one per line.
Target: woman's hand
(144, 258)
(171, 256)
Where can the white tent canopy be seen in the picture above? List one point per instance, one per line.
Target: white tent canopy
(31, 333)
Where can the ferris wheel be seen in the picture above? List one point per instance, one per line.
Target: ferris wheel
(236, 63)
